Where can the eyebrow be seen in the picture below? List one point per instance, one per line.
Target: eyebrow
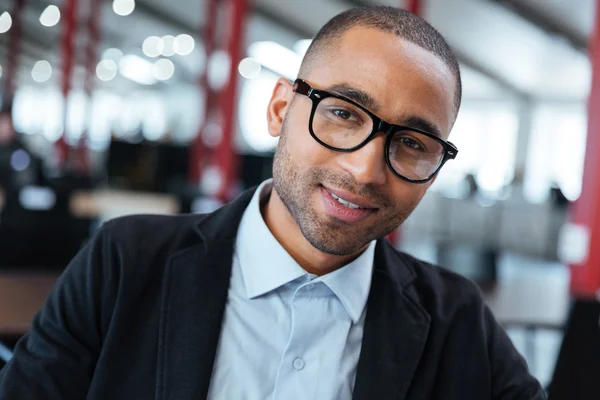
(422, 124)
(359, 96)
(363, 98)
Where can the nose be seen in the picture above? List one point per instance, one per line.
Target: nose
(367, 164)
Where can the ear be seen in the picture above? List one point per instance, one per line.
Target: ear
(278, 106)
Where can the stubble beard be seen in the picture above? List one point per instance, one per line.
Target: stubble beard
(330, 236)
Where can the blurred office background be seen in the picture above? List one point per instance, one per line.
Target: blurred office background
(152, 106)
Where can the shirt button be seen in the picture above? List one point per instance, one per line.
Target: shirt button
(298, 364)
(310, 286)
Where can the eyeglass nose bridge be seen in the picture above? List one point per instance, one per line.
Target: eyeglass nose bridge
(384, 127)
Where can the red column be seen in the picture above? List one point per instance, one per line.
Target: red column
(414, 6)
(224, 32)
(14, 51)
(69, 18)
(90, 61)
(198, 149)
(226, 156)
(585, 277)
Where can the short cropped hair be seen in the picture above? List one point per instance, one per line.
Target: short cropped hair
(388, 19)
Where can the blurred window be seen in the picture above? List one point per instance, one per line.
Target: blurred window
(486, 137)
(556, 151)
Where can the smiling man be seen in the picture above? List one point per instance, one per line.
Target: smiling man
(290, 292)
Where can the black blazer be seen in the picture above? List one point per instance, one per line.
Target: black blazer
(137, 315)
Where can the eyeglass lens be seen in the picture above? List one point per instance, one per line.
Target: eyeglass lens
(343, 125)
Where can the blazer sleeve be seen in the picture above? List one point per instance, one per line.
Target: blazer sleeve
(511, 379)
(56, 358)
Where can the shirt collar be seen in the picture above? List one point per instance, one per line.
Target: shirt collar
(352, 283)
(266, 265)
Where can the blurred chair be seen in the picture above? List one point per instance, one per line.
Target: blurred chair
(577, 372)
(148, 166)
(39, 235)
(478, 264)
(7, 344)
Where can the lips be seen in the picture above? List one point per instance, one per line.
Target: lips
(346, 203)
(348, 198)
(344, 210)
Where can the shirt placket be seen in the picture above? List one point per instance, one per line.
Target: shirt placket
(297, 371)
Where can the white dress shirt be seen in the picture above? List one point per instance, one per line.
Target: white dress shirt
(288, 334)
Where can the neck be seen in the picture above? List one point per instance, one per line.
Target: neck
(284, 228)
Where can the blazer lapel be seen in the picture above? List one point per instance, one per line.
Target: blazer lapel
(395, 332)
(195, 292)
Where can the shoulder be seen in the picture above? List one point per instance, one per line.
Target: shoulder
(141, 241)
(150, 229)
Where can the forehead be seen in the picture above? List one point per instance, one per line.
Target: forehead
(405, 79)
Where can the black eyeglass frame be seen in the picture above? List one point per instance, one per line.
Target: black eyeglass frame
(379, 125)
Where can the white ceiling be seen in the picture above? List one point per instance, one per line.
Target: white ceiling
(502, 52)
(505, 44)
(573, 16)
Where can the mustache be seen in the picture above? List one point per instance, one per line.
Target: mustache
(345, 182)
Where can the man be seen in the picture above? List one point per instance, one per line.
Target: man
(290, 292)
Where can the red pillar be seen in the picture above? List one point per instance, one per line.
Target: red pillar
(414, 6)
(221, 104)
(90, 61)
(585, 277)
(226, 156)
(69, 18)
(198, 151)
(14, 52)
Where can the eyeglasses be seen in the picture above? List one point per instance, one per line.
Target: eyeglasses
(342, 125)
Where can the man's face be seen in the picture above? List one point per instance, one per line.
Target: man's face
(405, 82)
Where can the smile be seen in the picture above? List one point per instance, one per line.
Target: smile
(346, 202)
(345, 210)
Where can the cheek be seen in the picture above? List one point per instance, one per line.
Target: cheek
(407, 194)
(305, 151)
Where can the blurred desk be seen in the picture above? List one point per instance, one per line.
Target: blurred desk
(531, 304)
(116, 203)
(528, 302)
(21, 296)
(22, 293)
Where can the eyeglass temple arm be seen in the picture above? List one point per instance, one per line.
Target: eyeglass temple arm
(302, 87)
(453, 149)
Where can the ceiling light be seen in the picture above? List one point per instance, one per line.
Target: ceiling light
(249, 68)
(112, 54)
(123, 7)
(50, 16)
(276, 57)
(137, 69)
(20, 160)
(106, 70)
(5, 22)
(164, 69)
(168, 45)
(42, 71)
(184, 45)
(152, 46)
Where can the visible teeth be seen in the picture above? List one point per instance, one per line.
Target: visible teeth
(345, 202)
